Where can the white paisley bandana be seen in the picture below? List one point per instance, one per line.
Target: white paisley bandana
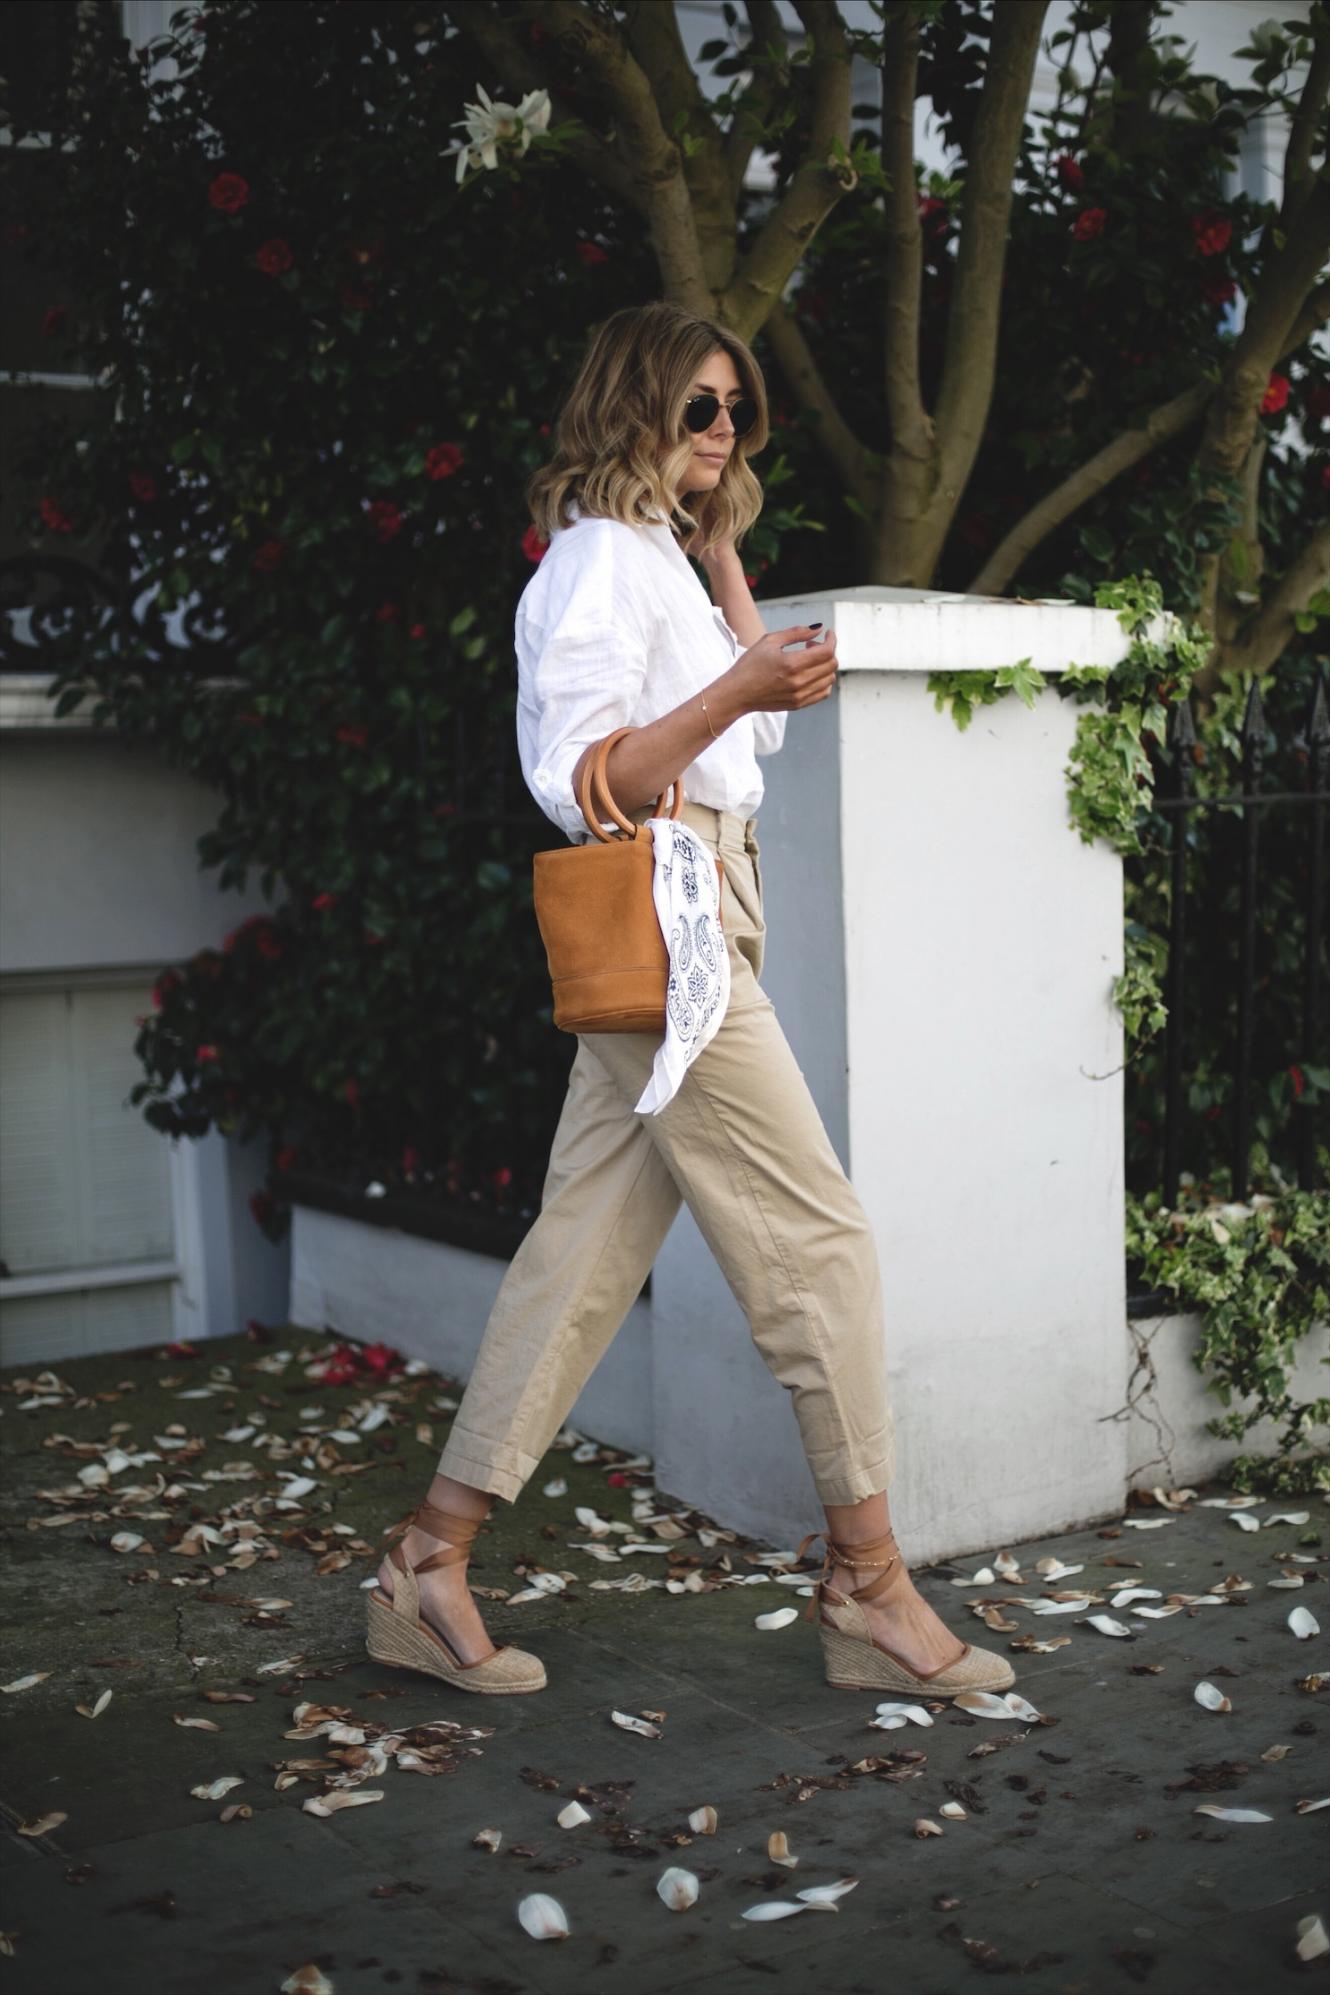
(685, 886)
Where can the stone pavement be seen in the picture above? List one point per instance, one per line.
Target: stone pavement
(1080, 1863)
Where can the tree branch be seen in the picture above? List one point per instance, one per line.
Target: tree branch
(651, 156)
(814, 187)
(770, 76)
(1159, 428)
(834, 434)
(1169, 420)
(1264, 637)
(966, 391)
(912, 430)
(654, 38)
(1298, 174)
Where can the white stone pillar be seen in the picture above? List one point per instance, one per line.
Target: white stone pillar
(941, 951)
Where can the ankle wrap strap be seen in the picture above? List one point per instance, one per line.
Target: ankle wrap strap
(459, 1531)
(883, 1552)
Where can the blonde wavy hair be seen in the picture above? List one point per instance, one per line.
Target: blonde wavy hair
(627, 403)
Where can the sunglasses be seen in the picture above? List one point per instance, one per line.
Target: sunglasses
(700, 412)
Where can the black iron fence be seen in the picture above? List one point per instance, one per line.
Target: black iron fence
(1305, 1013)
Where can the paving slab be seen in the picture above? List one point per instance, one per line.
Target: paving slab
(1080, 1864)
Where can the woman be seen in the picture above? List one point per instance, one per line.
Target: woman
(615, 629)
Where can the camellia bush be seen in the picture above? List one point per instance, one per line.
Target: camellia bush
(326, 374)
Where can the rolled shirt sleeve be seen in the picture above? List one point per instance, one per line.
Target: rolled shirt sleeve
(582, 654)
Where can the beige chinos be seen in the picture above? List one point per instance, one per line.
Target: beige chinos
(743, 1144)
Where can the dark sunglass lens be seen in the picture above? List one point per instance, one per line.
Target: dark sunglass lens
(700, 413)
(743, 414)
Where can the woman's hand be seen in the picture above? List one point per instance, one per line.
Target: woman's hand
(769, 679)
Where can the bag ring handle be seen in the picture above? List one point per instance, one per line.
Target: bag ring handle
(596, 801)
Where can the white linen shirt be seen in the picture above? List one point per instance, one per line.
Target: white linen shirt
(615, 629)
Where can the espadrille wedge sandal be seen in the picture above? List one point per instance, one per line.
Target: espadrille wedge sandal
(856, 1660)
(397, 1635)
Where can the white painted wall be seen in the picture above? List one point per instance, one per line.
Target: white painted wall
(941, 951)
(99, 878)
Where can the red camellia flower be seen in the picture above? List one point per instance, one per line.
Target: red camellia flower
(229, 192)
(1212, 232)
(1318, 403)
(533, 544)
(286, 1156)
(52, 319)
(443, 460)
(206, 1055)
(322, 902)
(260, 1204)
(143, 485)
(410, 1160)
(1275, 396)
(1219, 290)
(934, 214)
(616, 1479)
(591, 252)
(57, 521)
(419, 630)
(267, 557)
(353, 734)
(338, 1374)
(352, 1093)
(381, 1358)
(386, 517)
(1089, 223)
(1069, 172)
(274, 257)
(1298, 1079)
(385, 612)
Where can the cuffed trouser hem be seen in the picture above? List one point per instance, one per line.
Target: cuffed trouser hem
(469, 1460)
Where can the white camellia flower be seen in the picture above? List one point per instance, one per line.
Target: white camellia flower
(488, 124)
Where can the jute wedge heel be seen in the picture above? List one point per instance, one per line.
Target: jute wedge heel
(397, 1635)
(856, 1660)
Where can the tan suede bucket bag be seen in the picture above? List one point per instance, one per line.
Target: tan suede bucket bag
(597, 914)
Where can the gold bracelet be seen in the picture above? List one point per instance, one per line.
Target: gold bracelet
(703, 698)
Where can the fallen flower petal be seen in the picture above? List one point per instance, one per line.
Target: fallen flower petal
(43, 1825)
(487, 1839)
(213, 1790)
(703, 1821)
(1309, 1807)
(94, 1710)
(571, 1816)
(953, 1811)
(827, 1894)
(543, 1917)
(778, 1849)
(1211, 1697)
(329, 1804)
(1304, 1623)
(307, 1980)
(1231, 1814)
(631, 1724)
(779, 1617)
(1312, 1939)
(677, 1888)
(25, 1682)
(1107, 1625)
(923, 1827)
(775, 1908)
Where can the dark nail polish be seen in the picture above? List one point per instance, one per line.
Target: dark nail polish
(817, 625)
